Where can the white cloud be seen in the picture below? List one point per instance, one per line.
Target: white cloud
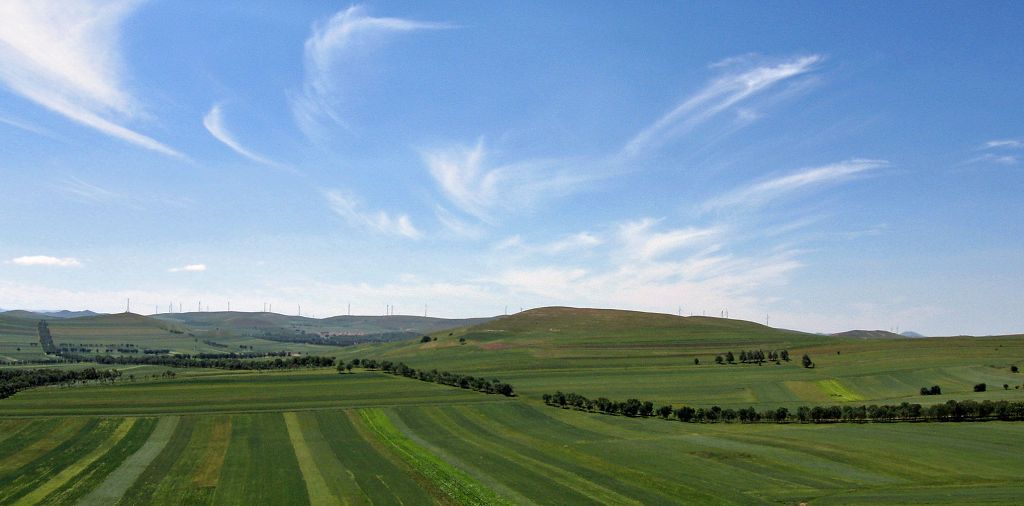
(722, 94)
(47, 261)
(991, 158)
(1004, 143)
(760, 193)
(189, 268)
(641, 241)
(455, 225)
(214, 123)
(644, 265)
(469, 184)
(348, 206)
(571, 243)
(84, 191)
(65, 56)
(325, 49)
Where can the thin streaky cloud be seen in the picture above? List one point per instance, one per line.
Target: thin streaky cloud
(722, 94)
(349, 207)
(214, 123)
(65, 57)
(46, 261)
(1004, 143)
(758, 194)
(21, 125)
(991, 158)
(467, 180)
(86, 191)
(189, 268)
(324, 51)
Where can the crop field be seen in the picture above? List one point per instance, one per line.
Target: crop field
(510, 452)
(318, 437)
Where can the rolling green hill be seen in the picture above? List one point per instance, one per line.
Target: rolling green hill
(623, 354)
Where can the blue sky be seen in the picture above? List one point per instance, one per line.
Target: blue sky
(830, 165)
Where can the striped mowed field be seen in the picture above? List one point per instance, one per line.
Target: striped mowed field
(496, 452)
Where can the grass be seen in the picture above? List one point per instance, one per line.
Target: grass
(95, 468)
(260, 465)
(130, 467)
(317, 437)
(232, 393)
(454, 483)
(316, 486)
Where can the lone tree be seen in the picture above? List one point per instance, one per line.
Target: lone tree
(696, 361)
(807, 361)
(1014, 368)
(980, 387)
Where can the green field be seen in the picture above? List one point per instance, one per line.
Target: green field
(318, 437)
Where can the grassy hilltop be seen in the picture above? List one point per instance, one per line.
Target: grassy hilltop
(318, 437)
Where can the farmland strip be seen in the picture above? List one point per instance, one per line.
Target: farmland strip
(143, 491)
(71, 471)
(455, 483)
(118, 482)
(316, 485)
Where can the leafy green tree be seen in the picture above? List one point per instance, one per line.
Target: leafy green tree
(807, 361)
(980, 387)
(685, 413)
(718, 359)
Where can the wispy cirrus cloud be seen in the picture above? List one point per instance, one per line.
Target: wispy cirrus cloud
(349, 207)
(214, 123)
(65, 56)
(189, 268)
(720, 95)
(761, 193)
(476, 188)
(325, 52)
(84, 191)
(1004, 143)
(577, 242)
(642, 241)
(46, 261)
(652, 267)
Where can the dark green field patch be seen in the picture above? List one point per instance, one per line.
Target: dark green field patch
(379, 480)
(260, 465)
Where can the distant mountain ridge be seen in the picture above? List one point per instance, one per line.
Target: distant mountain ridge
(869, 334)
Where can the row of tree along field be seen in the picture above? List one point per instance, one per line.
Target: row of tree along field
(231, 361)
(489, 386)
(950, 411)
(14, 380)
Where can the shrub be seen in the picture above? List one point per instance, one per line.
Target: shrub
(980, 387)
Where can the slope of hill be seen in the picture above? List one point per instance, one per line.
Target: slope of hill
(870, 334)
(287, 328)
(671, 359)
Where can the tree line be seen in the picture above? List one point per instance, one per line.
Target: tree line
(14, 380)
(489, 386)
(753, 357)
(231, 361)
(950, 411)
